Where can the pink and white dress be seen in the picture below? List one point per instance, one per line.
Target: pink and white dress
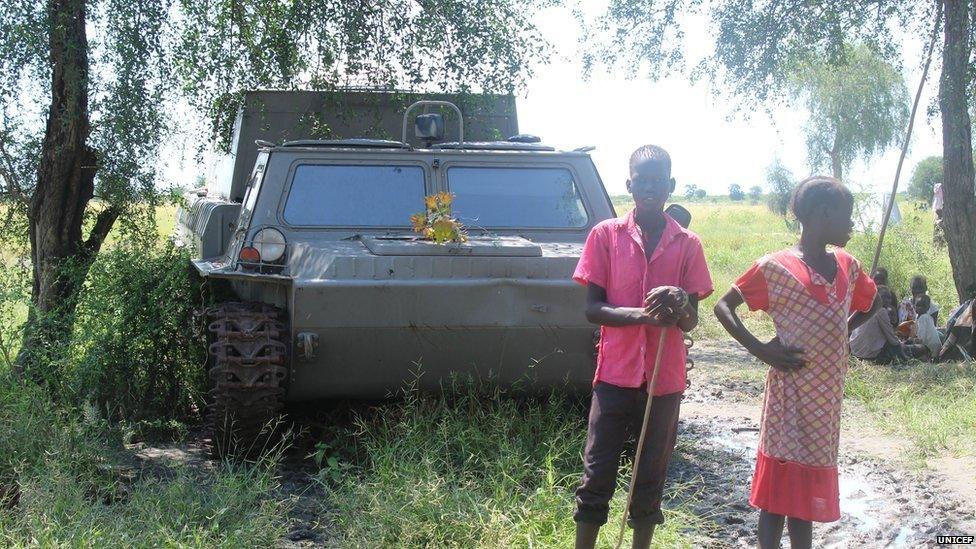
(796, 465)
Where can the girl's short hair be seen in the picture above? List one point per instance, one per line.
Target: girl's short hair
(817, 190)
(652, 153)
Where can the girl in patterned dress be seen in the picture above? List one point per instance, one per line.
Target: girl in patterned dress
(810, 293)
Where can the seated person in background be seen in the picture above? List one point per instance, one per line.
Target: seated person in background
(906, 311)
(960, 343)
(875, 340)
(959, 310)
(927, 342)
(887, 297)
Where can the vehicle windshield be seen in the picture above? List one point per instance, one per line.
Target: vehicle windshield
(354, 195)
(516, 197)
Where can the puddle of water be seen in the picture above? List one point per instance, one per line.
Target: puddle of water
(901, 540)
(857, 501)
(859, 504)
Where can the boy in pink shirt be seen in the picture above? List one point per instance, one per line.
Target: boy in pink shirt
(644, 273)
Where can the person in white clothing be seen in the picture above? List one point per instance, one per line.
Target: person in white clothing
(927, 333)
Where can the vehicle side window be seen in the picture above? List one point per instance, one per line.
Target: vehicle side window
(354, 196)
(516, 197)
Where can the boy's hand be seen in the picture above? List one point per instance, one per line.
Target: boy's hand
(664, 305)
(781, 357)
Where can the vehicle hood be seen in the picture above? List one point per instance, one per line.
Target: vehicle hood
(352, 259)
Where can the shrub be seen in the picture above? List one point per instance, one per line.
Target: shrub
(137, 349)
(755, 194)
(781, 183)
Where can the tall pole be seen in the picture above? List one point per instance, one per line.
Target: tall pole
(908, 136)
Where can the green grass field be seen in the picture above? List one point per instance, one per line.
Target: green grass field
(933, 405)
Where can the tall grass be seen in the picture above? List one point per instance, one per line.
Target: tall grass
(226, 508)
(478, 469)
(933, 405)
(65, 482)
(908, 250)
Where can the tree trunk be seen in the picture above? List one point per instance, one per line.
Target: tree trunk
(959, 211)
(65, 185)
(836, 168)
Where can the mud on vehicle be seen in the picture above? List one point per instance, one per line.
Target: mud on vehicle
(336, 297)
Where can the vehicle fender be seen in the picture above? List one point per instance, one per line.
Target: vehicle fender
(206, 224)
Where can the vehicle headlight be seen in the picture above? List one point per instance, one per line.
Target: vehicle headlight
(270, 244)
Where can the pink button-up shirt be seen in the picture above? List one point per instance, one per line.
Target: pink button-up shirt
(613, 258)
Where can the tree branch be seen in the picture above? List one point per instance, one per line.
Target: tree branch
(7, 172)
(103, 225)
(8, 220)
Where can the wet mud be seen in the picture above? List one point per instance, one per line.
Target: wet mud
(884, 503)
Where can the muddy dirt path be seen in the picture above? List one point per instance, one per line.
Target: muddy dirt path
(885, 500)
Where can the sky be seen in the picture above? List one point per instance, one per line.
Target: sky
(708, 148)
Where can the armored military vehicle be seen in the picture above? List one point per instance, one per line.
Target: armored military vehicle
(336, 296)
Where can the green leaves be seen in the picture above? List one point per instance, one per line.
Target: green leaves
(154, 62)
(227, 47)
(857, 108)
(777, 50)
(926, 174)
(437, 223)
(756, 43)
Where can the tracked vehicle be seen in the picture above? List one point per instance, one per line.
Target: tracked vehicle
(336, 296)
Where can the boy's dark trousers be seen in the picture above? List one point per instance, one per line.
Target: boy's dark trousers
(616, 414)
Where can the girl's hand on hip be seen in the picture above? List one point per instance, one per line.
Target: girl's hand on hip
(782, 357)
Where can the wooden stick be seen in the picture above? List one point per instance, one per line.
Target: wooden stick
(643, 434)
(908, 138)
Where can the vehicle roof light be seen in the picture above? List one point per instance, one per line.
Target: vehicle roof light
(429, 128)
